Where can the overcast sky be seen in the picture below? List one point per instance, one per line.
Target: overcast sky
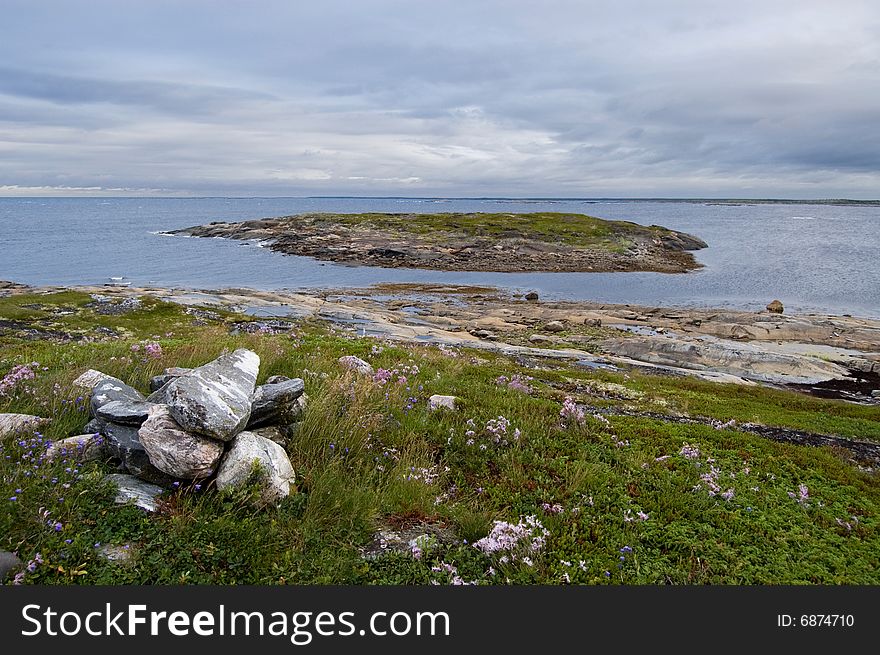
(465, 98)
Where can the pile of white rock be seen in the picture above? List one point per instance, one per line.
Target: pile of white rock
(197, 424)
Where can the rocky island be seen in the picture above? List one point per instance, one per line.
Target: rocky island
(500, 242)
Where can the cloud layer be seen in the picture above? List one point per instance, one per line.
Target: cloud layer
(386, 97)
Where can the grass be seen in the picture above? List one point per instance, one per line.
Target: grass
(552, 227)
(625, 500)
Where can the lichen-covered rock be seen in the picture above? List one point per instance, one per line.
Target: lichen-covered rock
(124, 412)
(89, 379)
(176, 452)
(213, 400)
(129, 489)
(111, 389)
(249, 448)
(82, 448)
(354, 363)
(438, 401)
(11, 423)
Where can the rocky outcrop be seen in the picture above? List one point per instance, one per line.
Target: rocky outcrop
(213, 400)
(248, 450)
(176, 452)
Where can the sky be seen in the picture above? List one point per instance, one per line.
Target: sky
(545, 98)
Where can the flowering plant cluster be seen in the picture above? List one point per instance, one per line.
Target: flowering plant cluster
(516, 382)
(496, 431)
(570, 413)
(514, 542)
(18, 374)
(399, 374)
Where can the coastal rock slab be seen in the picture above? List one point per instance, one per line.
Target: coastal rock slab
(124, 412)
(272, 402)
(213, 400)
(83, 448)
(353, 363)
(178, 453)
(247, 448)
(110, 389)
(11, 423)
(131, 490)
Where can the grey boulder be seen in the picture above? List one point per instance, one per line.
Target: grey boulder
(124, 444)
(249, 449)
(125, 412)
(273, 403)
(176, 452)
(213, 400)
(112, 389)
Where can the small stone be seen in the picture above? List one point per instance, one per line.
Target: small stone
(875, 393)
(9, 564)
(89, 379)
(83, 448)
(353, 363)
(531, 295)
(554, 326)
(593, 322)
(118, 554)
(130, 489)
(539, 338)
(273, 433)
(484, 334)
(438, 401)
(277, 379)
(776, 307)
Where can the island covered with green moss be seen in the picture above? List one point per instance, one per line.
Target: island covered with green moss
(544, 241)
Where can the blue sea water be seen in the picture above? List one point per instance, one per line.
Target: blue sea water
(813, 257)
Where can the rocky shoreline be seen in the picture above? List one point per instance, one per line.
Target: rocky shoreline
(828, 356)
(469, 242)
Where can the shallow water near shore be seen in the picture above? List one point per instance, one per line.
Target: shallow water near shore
(813, 257)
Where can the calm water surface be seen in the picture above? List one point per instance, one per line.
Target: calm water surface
(812, 257)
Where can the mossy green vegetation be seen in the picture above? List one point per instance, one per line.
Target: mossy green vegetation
(583, 498)
(578, 230)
